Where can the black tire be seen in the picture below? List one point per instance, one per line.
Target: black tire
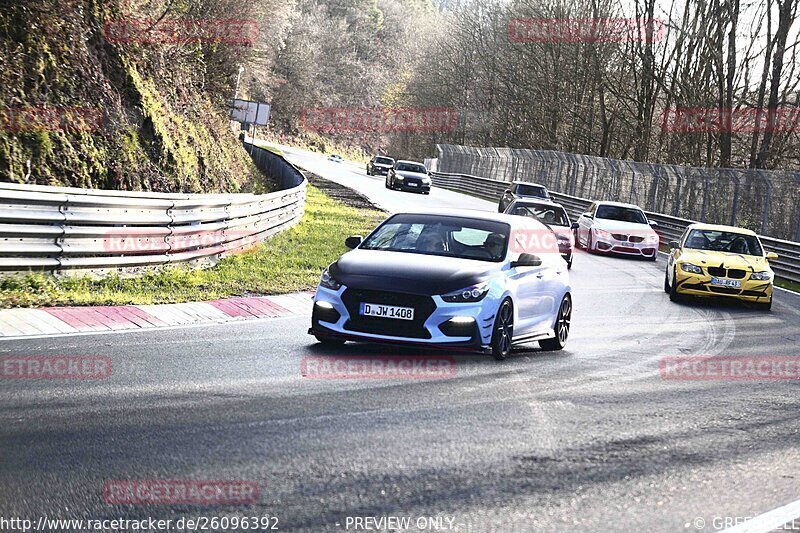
(577, 240)
(326, 340)
(654, 258)
(503, 330)
(666, 282)
(563, 323)
(590, 243)
(674, 295)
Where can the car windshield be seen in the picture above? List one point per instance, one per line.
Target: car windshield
(621, 214)
(552, 215)
(532, 190)
(411, 167)
(462, 237)
(724, 241)
(384, 161)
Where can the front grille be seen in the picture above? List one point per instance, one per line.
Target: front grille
(724, 290)
(423, 307)
(694, 286)
(637, 239)
(733, 273)
(626, 249)
(620, 237)
(409, 181)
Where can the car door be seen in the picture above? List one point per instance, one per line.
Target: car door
(530, 285)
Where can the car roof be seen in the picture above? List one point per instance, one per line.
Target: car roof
(513, 220)
(718, 227)
(517, 182)
(409, 162)
(619, 204)
(383, 156)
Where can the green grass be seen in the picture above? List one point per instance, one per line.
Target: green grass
(291, 261)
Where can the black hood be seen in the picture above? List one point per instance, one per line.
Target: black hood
(409, 272)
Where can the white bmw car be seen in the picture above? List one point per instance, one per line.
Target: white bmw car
(614, 227)
(454, 279)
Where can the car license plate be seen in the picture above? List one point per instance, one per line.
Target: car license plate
(413, 184)
(732, 283)
(387, 311)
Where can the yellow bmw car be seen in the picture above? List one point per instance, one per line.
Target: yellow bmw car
(719, 261)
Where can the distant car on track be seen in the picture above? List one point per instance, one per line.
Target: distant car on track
(379, 165)
(522, 189)
(721, 261)
(454, 279)
(336, 158)
(614, 227)
(551, 214)
(409, 176)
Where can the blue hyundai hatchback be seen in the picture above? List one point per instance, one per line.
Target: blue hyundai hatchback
(456, 279)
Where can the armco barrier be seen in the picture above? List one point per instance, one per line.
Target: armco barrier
(670, 228)
(62, 229)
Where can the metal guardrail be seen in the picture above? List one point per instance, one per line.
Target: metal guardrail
(62, 229)
(670, 228)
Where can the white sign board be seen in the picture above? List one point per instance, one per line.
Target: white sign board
(249, 112)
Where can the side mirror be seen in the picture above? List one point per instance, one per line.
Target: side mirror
(674, 245)
(653, 224)
(587, 214)
(772, 256)
(527, 260)
(353, 242)
(575, 225)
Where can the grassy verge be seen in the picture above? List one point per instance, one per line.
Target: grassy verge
(290, 261)
(786, 284)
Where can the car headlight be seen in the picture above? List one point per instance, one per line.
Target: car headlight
(602, 233)
(474, 293)
(426, 181)
(329, 282)
(651, 239)
(761, 276)
(693, 269)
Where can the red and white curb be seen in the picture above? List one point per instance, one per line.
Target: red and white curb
(61, 320)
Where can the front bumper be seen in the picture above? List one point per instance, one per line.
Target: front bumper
(700, 285)
(380, 171)
(406, 186)
(430, 328)
(614, 246)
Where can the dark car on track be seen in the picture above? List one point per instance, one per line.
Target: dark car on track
(379, 165)
(409, 176)
(522, 189)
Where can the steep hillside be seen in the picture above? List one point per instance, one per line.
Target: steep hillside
(79, 107)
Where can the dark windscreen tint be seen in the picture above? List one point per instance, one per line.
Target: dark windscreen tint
(621, 214)
(384, 161)
(724, 241)
(532, 190)
(552, 215)
(465, 238)
(410, 167)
